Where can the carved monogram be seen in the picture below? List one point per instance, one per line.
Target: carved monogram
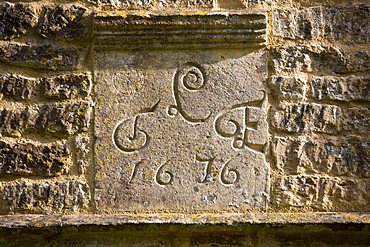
(234, 123)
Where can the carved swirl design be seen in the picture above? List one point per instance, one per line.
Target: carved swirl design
(128, 138)
(191, 78)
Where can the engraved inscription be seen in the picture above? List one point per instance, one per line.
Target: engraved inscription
(208, 167)
(236, 123)
(127, 137)
(163, 177)
(229, 175)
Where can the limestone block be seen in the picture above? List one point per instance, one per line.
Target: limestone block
(347, 23)
(305, 117)
(47, 197)
(64, 22)
(17, 87)
(180, 129)
(60, 120)
(44, 56)
(357, 120)
(288, 88)
(16, 19)
(33, 159)
(322, 192)
(347, 88)
(318, 59)
(348, 156)
(67, 86)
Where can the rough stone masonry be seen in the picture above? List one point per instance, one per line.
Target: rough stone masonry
(184, 107)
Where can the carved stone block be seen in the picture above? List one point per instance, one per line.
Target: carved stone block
(182, 129)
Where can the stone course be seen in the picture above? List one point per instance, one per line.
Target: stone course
(344, 23)
(62, 87)
(47, 197)
(319, 60)
(334, 156)
(16, 19)
(45, 56)
(347, 88)
(60, 120)
(303, 117)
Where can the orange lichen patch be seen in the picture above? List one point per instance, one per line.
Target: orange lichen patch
(131, 215)
(38, 225)
(353, 217)
(196, 216)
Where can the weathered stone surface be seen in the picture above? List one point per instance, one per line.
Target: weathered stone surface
(60, 120)
(33, 159)
(67, 86)
(318, 59)
(44, 56)
(17, 87)
(335, 156)
(321, 193)
(357, 120)
(288, 88)
(303, 117)
(16, 19)
(349, 23)
(181, 130)
(47, 196)
(64, 22)
(347, 88)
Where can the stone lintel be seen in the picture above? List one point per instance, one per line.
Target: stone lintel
(41, 221)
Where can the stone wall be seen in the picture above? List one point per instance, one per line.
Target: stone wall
(317, 104)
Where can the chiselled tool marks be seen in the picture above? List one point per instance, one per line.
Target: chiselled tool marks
(128, 137)
(190, 78)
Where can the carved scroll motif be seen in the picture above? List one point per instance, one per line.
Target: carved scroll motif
(228, 127)
(188, 79)
(128, 137)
